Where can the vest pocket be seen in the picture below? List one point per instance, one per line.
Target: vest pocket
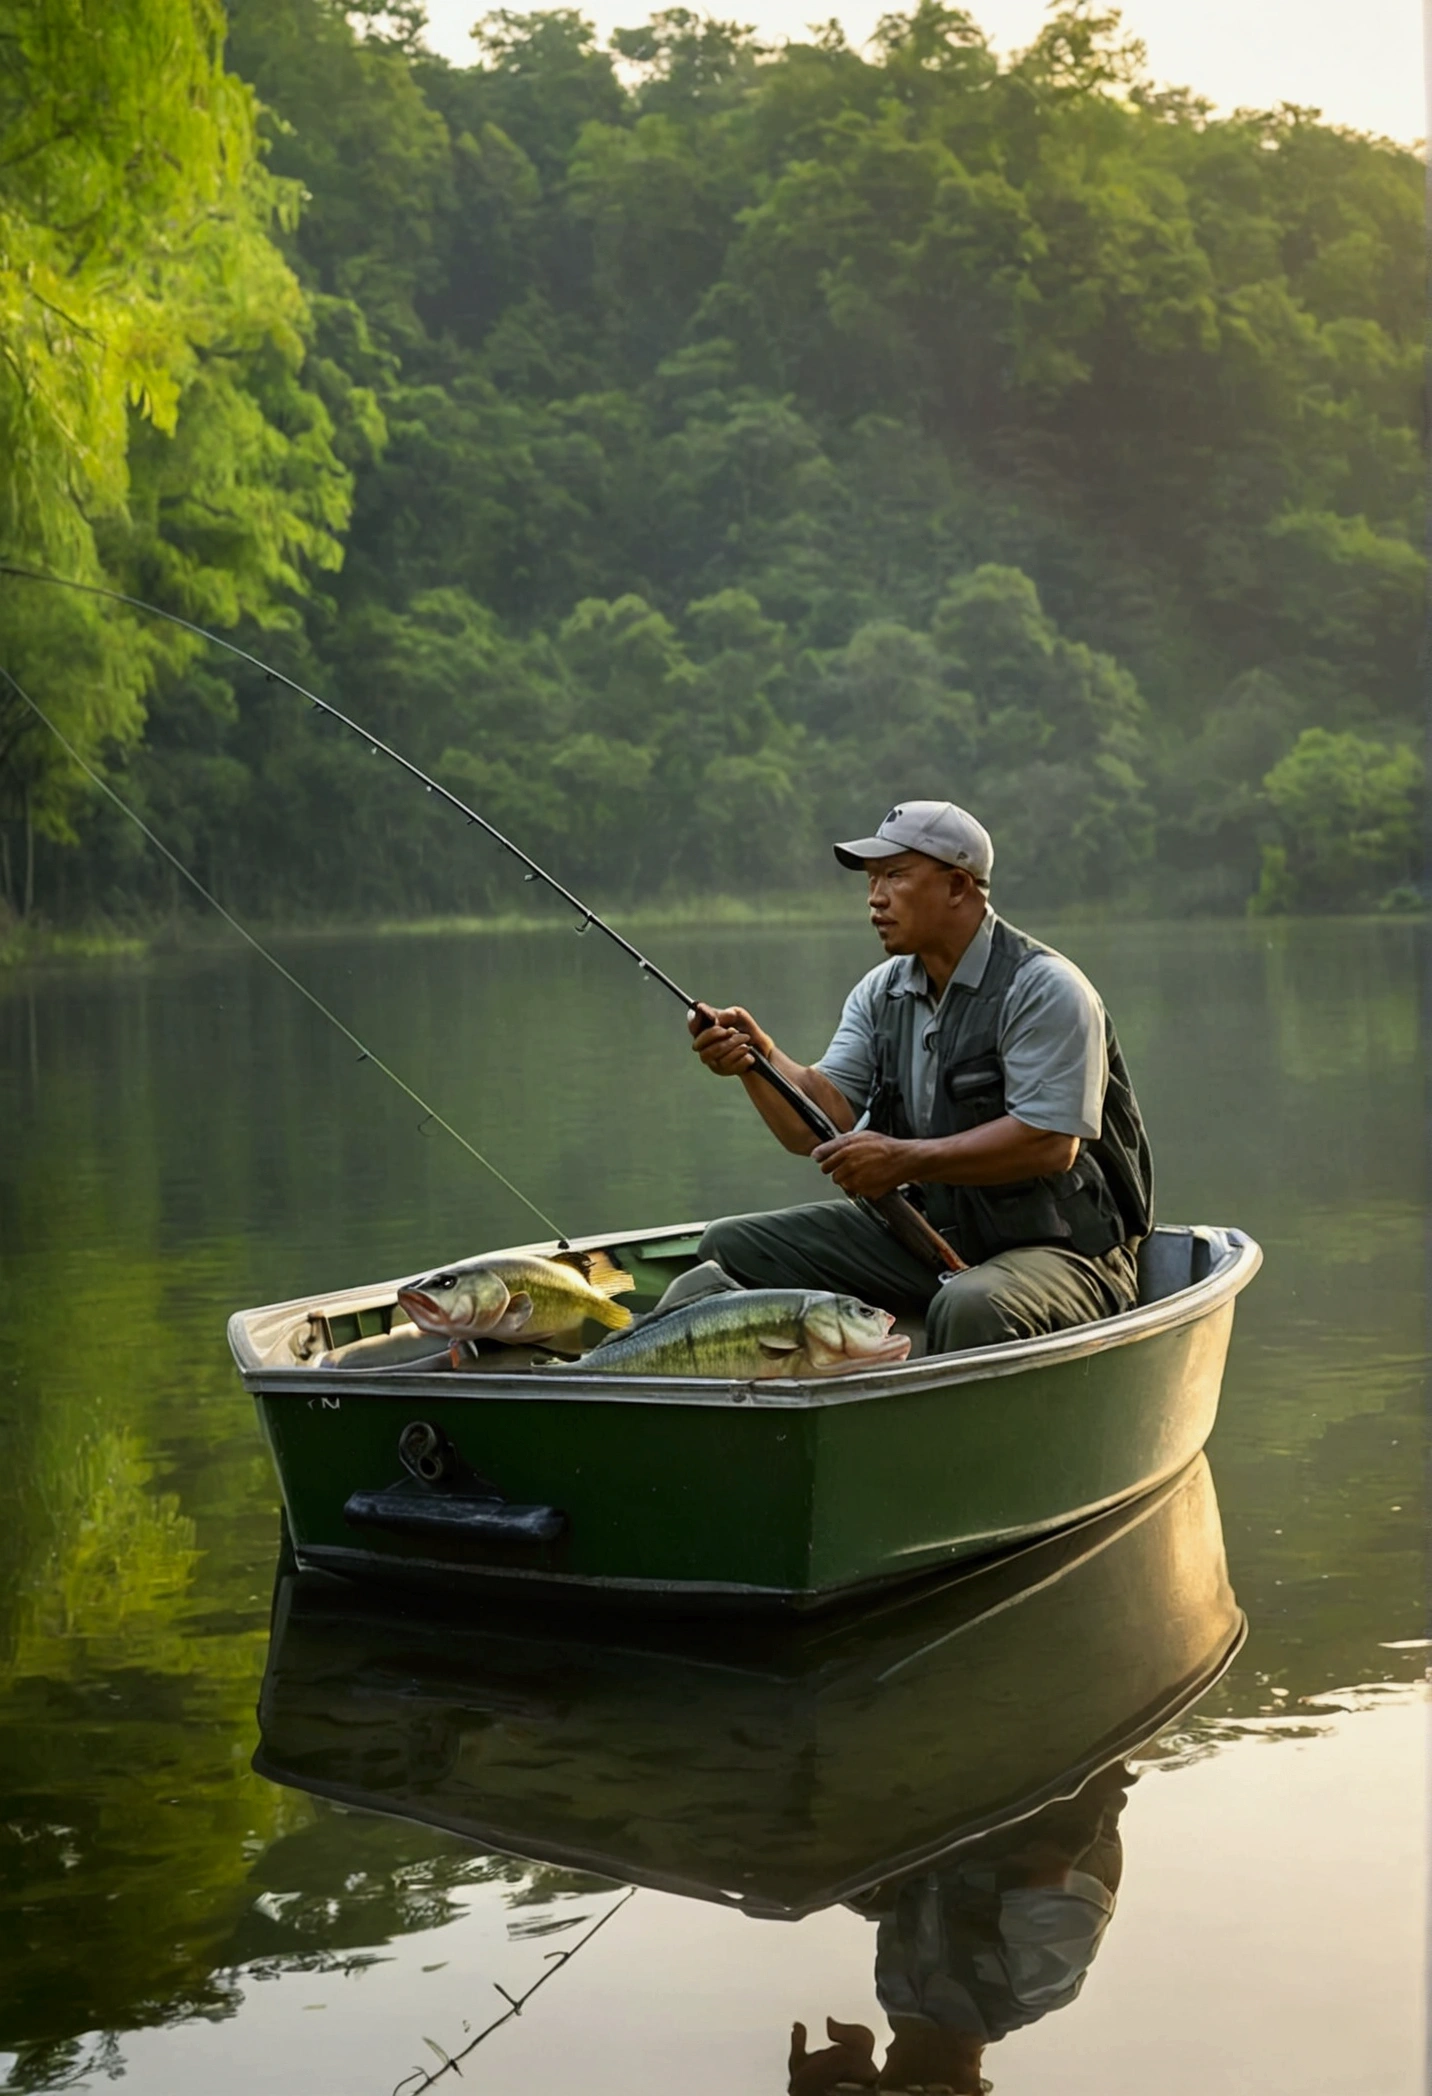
(976, 1093)
(885, 1110)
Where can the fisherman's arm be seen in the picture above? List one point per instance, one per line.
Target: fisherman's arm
(999, 1153)
(727, 1048)
(1052, 1048)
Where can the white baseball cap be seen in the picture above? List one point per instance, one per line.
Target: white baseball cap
(937, 828)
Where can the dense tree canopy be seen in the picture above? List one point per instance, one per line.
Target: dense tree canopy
(687, 447)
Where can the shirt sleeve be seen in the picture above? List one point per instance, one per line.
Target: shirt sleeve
(1051, 1042)
(849, 1061)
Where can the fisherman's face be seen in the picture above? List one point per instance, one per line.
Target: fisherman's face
(915, 901)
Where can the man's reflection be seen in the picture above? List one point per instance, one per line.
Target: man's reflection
(977, 1946)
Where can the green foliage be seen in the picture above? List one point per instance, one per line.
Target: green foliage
(352, 132)
(1348, 814)
(155, 430)
(734, 440)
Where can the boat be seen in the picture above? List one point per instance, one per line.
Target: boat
(772, 1764)
(705, 1493)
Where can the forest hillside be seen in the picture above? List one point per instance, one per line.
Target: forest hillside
(685, 449)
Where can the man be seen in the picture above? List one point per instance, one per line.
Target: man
(977, 1065)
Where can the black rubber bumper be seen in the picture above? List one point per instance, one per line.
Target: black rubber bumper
(449, 1514)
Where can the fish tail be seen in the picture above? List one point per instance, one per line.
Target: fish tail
(603, 1274)
(615, 1316)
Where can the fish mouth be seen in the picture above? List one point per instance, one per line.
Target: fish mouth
(423, 1311)
(894, 1347)
(429, 1316)
(886, 1354)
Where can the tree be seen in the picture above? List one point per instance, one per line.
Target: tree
(154, 428)
(848, 417)
(1058, 734)
(1347, 812)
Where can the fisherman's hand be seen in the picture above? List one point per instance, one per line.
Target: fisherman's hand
(864, 1163)
(726, 1046)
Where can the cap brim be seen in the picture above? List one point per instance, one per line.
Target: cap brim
(854, 855)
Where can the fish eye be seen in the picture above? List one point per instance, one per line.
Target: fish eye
(441, 1281)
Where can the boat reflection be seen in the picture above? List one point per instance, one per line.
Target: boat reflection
(778, 1768)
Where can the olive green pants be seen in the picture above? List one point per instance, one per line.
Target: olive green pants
(835, 1245)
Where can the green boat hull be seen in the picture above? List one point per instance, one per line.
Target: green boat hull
(752, 1493)
(779, 1767)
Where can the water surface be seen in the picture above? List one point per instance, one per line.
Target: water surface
(185, 1137)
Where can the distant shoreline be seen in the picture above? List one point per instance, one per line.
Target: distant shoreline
(50, 947)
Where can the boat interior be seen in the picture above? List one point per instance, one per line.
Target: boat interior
(362, 1330)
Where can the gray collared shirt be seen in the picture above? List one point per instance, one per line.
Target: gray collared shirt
(1051, 1039)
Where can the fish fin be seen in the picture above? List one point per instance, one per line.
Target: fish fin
(775, 1347)
(601, 1272)
(615, 1316)
(517, 1314)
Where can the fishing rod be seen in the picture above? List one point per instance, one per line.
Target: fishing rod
(899, 1215)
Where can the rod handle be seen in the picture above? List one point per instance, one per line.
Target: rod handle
(901, 1218)
(916, 1233)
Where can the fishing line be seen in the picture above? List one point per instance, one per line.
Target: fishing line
(365, 1054)
(904, 1222)
(377, 747)
(517, 2003)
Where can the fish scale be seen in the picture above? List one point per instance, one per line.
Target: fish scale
(753, 1333)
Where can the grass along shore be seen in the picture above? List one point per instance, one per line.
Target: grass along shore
(39, 945)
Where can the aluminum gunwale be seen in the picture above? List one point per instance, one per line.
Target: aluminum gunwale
(1239, 1261)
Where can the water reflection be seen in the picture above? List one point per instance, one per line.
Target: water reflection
(984, 1943)
(175, 1140)
(777, 1768)
(949, 1764)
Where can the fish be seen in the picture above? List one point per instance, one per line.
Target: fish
(404, 1347)
(753, 1333)
(518, 1297)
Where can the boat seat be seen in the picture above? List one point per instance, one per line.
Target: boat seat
(1170, 1259)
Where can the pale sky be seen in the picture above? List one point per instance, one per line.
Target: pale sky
(1359, 61)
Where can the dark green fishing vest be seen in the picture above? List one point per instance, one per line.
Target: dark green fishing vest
(1106, 1198)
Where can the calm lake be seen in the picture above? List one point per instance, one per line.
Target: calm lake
(185, 1137)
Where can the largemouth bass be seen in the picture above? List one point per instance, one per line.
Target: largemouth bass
(756, 1332)
(518, 1297)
